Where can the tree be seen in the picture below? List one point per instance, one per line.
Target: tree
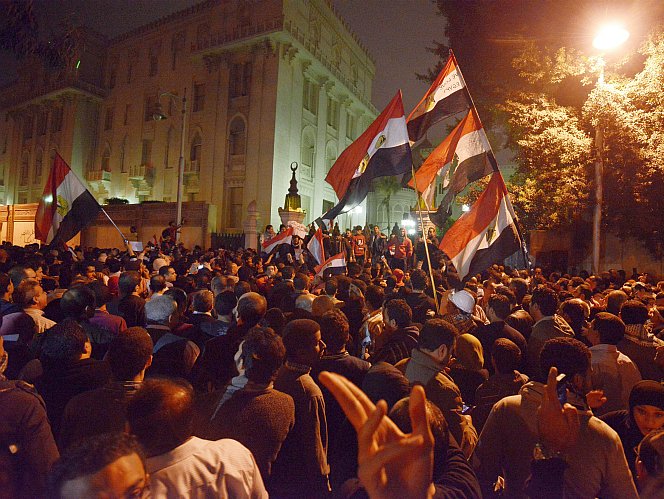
(543, 88)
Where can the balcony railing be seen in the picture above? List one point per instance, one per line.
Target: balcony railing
(17, 93)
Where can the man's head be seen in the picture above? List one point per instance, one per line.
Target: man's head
(419, 279)
(543, 303)
(605, 329)
(396, 314)
(78, 303)
(6, 286)
(376, 230)
(650, 463)
(160, 414)
(159, 309)
(505, 356)
(158, 284)
(107, 465)
(331, 287)
(499, 307)
(224, 303)
(203, 301)
(570, 357)
(437, 339)
(615, 300)
(30, 294)
(287, 272)
(520, 288)
(374, 297)
(334, 330)
(102, 293)
(20, 272)
(66, 342)
(461, 302)
(130, 354)
(303, 342)
(129, 282)
(168, 273)
(262, 354)
(634, 312)
(251, 308)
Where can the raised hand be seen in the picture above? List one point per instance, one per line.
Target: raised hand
(558, 425)
(391, 464)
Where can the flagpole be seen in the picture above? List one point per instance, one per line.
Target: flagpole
(426, 246)
(124, 239)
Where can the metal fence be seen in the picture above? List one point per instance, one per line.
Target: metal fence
(228, 241)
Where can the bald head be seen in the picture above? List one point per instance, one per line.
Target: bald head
(251, 308)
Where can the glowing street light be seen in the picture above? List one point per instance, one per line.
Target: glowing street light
(610, 37)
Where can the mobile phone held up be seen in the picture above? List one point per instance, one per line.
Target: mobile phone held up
(562, 388)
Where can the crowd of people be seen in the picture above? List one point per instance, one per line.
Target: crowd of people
(234, 373)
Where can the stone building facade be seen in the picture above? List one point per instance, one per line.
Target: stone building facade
(267, 82)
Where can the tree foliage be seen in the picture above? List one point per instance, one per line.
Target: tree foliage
(540, 80)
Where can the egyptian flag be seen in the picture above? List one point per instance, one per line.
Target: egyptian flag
(447, 95)
(283, 238)
(66, 207)
(486, 234)
(336, 264)
(468, 147)
(381, 151)
(315, 246)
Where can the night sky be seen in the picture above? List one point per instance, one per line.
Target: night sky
(396, 33)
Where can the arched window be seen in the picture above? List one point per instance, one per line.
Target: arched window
(195, 152)
(308, 154)
(24, 173)
(237, 137)
(106, 159)
(39, 160)
(330, 156)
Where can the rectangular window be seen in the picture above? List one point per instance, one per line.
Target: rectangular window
(112, 76)
(108, 122)
(130, 71)
(240, 79)
(150, 104)
(28, 124)
(41, 123)
(310, 97)
(199, 97)
(153, 61)
(332, 113)
(146, 152)
(350, 126)
(126, 113)
(235, 207)
(56, 119)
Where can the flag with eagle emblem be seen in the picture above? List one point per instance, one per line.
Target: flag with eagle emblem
(486, 234)
(381, 151)
(65, 208)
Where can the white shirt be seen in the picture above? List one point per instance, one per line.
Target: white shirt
(38, 316)
(203, 468)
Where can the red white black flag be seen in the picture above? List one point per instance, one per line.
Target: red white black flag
(382, 150)
(66, 206)
(447, 95)
(486, 234)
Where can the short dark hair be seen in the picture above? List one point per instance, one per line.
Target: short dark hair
(128, 281)
(157, 283)
(546, 299)
(287, 272)
(129, 352)
(101, 291)
(436, 332)
(203, 301)
(25, 292)
(506, 355)
(160, 414)
(299, 334)
(65, 341)
(375, 296)
(650, 454)
(251, 308)
(334, 329)
(568, 355)
(77, 301)
(615, 300)
(331, 286)
(634, 312)
(301, 281)
(89, 456)
(4, 283)
(399, 311)
(610, 328)
(520, 287)
(241, 288)
(163, 270)
(419, 279)
(225, 302)
(500, 304)
(263, 353)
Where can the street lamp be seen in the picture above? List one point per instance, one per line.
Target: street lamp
(608, 37)
(158, 116)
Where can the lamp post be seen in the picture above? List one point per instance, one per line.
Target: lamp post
(609, 37)
(158, 116)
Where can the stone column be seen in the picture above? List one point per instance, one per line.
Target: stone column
(250, 226)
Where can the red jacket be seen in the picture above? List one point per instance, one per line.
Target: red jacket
(402, 249)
